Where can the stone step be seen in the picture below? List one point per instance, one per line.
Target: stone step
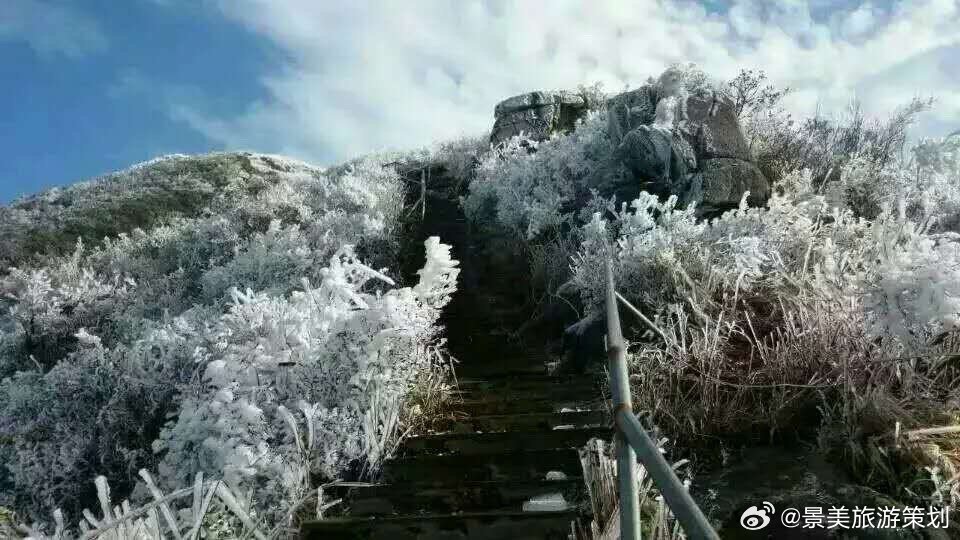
(504, 405)
(501, 369)
(503, 441)
(533, 380)
(473, 526)
(554, 392)
(538, 386)
(530, 421)
(415, 498)
(453, 468)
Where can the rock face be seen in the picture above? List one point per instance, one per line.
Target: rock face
(631, 110)
(689, 145)
(537, 114)
(712, 128)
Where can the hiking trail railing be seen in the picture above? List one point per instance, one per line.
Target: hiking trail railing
(634, 443)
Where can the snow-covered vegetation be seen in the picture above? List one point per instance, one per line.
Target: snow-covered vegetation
(229, 315)
(235, 327)
(529, 188)
(829, 314)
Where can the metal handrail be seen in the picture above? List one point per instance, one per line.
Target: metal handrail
(634, 443)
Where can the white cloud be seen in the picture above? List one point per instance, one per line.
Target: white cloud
(362, 76)
(50, 28)
(858, 22)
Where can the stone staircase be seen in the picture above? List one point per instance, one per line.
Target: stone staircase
(506, 467)
(506, 463)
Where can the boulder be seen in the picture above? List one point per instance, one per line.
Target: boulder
(722, 182)
(535, 122)
(657, 155)
(630, 110)
(537, 114)
(683, 159)
(647, 153)
(538, 99)
(713, 129)
(698, 154)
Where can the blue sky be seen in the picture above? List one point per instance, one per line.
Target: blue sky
(93, 86)
(83, 106)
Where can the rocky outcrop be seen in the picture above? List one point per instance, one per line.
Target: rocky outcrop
(537, 115)
(691, 145)
(671, 137)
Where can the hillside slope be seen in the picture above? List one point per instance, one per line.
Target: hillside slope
(186, 314)
(142, 196)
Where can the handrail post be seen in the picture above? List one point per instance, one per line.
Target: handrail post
(632, 438)
(620, 384)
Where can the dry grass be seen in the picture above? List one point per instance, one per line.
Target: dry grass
(599, 466)
(429, 403)
(802, 368)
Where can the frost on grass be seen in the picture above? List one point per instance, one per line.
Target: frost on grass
(255, 335)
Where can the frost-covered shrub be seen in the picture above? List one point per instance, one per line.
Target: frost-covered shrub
(660, 248)
(926, 184)
(766, 318)
(143, 196)
(530, 188)
(49, 433)
(525, 201)
(52, 304)
(96, 412)
(936, 165)
(140, 319)
(344, 353)
(142, 273)
(459, 157)
(248, 189)
(913, 288)
(782, 144)
(271, 261)
(907, 278)
(337, 347)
